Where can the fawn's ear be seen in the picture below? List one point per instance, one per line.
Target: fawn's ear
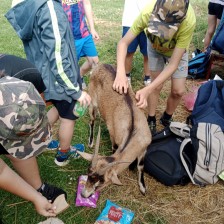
(86, 155)
(114, 179)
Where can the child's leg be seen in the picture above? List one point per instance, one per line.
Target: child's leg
(128, 62)
(88, 64)
(89, 51)
(28, 170)
(66, 130)
(52, 116)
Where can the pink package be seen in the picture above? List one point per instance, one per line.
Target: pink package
(190, 98)
(81, 201)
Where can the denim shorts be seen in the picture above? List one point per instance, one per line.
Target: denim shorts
(158, 61)
(85, 47)
(140, 41)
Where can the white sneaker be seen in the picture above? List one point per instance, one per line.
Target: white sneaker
(147, 81)
(129, 80)
(84, 86)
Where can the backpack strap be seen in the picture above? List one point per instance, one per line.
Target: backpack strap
(180, 129)
(183, 144)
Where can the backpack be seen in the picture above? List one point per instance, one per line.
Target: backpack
(217, 42)
(201, 152)
(162, 159)
(209, 104)
(198, 65)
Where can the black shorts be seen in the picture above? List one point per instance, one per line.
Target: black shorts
(65, 109)
(21, 68)
(215, 9)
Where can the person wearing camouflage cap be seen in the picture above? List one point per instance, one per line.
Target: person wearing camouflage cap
(24, 134)
(169, 26)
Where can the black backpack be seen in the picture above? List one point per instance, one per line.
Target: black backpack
(162, 160)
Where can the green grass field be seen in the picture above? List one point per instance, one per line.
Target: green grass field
(14, 210)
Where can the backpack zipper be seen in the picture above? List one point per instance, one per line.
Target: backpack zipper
(208, 146)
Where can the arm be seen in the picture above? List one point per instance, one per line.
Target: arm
(121, 82)
(14, 184)
(212, 22)
(142, 94)
(89, 16)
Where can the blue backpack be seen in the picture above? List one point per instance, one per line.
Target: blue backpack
(198, 65)
(209, 104)
(217, 42)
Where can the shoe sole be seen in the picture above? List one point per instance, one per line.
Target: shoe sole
(61, 163)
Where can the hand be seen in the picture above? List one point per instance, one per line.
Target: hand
(142, 97)
(121, 84)
(95, 35)
(84, 99)
(44, 207)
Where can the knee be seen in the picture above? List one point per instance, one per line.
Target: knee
(177, 94)
(94, 62)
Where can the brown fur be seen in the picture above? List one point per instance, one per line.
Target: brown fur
(127, 126)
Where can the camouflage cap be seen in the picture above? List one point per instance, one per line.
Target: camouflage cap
(24, 127)
(166, 17)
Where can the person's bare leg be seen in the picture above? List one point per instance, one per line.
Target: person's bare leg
(52, 115)
(177, 91)
(65, 133)
(154, 96)
(128, 62)
(88, 65)
(28, 169)
(146, 66)
(212, 23)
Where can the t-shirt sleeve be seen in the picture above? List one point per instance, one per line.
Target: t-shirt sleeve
(186, 30)
(185, 36)
(141, 22)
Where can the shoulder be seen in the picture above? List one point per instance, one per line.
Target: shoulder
(190, 20)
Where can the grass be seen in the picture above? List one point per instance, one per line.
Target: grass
(162, 204)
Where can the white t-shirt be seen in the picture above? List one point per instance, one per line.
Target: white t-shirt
(15, 2)
(132, 9)
(221, 2)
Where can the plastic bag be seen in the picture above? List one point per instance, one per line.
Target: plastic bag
(81, 201)
(114, 214)
(190, 97)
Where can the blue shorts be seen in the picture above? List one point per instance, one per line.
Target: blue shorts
(140, 41)
(85, 47)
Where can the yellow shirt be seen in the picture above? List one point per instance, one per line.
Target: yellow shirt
(181, 38)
